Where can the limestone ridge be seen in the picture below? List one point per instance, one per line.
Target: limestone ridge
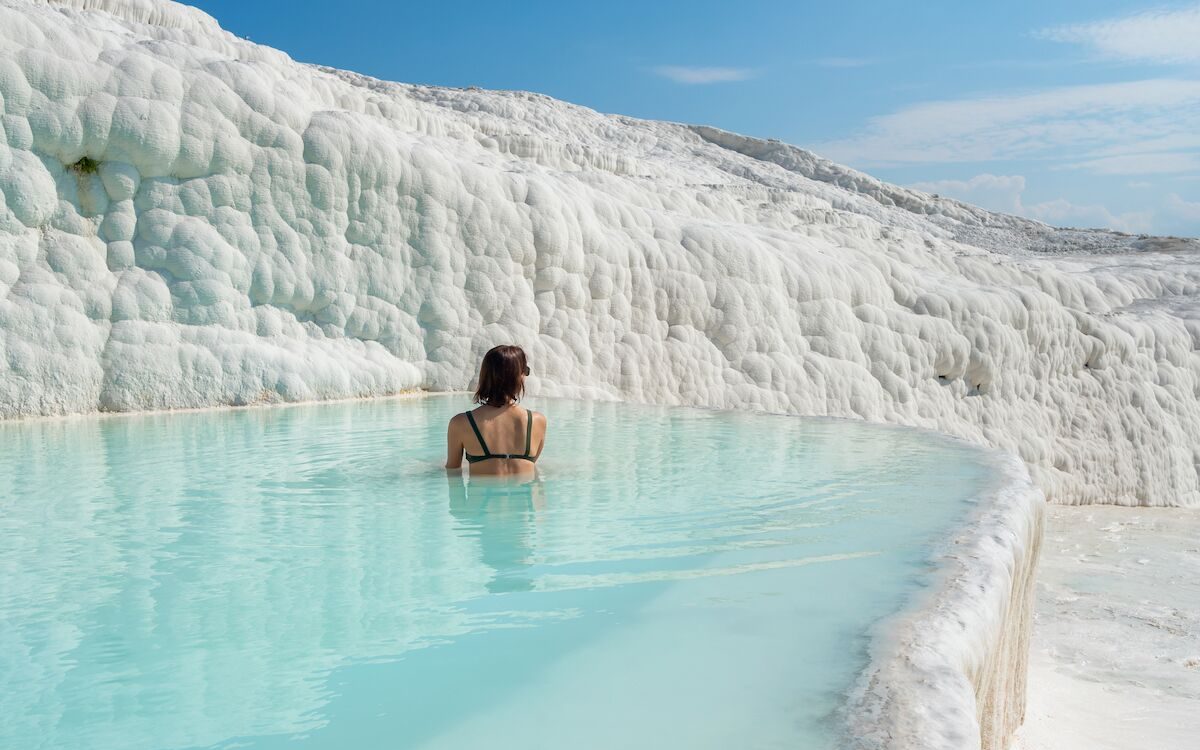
(189, 219)
(972, 225)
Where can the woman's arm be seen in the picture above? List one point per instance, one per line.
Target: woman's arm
(540, 418)
(454, 445)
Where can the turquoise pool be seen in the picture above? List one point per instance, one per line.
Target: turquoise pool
(310, 577)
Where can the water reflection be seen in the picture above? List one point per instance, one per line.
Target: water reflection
(501, 514)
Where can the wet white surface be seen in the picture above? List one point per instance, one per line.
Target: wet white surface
(1115, 659)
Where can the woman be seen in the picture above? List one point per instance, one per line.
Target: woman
(499, 438)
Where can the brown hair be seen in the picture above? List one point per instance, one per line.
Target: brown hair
(502, 376)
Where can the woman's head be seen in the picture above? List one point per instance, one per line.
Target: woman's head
(502, 376)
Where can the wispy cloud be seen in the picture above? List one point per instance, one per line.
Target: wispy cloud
(1163, 35)
(1183, 209)
(991, 191)
(1062, 212)
(702, 75)
(1066, 124)
(844, 62)
(1006, 193)
(1166, 162)
(1023, 63)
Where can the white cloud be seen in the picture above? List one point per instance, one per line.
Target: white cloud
(844, 62)
(1164, 163)
(1163, 35)
(1004, 193)
(993, 192)
(700, 75)
(1173, 143)
(1062, 212)
(1066, 123)
(1183, 209)
(1141, 185)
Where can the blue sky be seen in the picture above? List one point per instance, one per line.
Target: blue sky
(1076, 113)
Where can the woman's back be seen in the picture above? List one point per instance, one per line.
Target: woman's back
(499, 441)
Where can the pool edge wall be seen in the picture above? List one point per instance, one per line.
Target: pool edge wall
(951, 672)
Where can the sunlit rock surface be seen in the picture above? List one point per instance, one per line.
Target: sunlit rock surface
(189, 219)
(1115, 653)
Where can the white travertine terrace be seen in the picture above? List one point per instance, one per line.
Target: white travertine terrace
(188, 219)
(951, 673)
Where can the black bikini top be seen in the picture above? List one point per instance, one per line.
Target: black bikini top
(488, 454)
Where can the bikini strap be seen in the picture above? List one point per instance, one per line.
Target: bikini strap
(478, 435)
(528, 432)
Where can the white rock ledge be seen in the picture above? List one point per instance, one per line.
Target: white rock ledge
(950, 673)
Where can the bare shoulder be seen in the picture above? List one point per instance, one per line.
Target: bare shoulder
(458, 420)
(539, 419)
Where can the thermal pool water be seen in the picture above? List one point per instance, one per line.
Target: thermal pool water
(311, 577)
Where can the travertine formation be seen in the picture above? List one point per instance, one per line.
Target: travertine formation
(188, 219)
(951, 673)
